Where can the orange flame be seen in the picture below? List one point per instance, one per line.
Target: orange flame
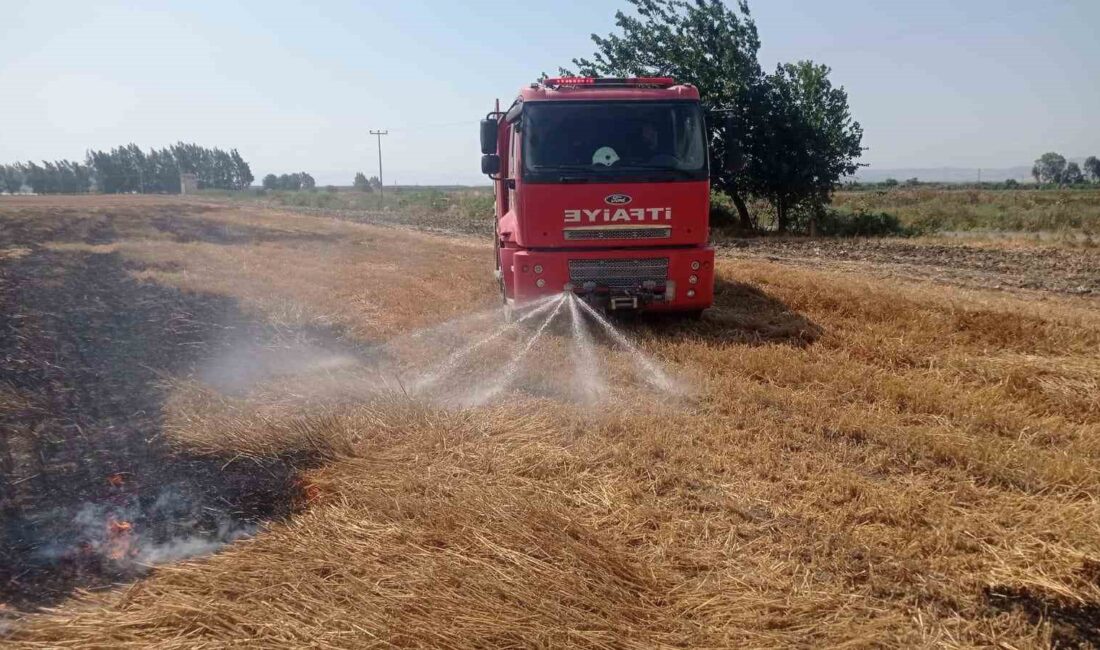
(116, 480)
(310, 491)
(120, 542)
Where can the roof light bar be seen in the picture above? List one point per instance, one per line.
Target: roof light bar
(569, 81)
(663, 82)
(652, 81)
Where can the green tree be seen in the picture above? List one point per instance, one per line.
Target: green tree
(361, 183)
(1049, 168)
(704, 43)
(242, 173)
(890, 182)
(714, 47)
(11, 178)
(292, 182)
(807, 139)
(1092, 168)
(1073, 175)
(271, 182)
(308, 183)
(35, 177)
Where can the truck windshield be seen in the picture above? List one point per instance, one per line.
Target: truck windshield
(619, 140)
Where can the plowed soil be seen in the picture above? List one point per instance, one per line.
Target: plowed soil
(1028, 268)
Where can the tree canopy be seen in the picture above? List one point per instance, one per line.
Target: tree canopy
(1092, 168)
(1073, 175)
(1049, 168)
(805, 142)
(714, 47)
(364, 184)
(292, 182)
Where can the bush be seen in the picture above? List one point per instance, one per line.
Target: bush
(722, 210)
(861, 223)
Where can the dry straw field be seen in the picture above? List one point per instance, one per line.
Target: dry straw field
(856, 458)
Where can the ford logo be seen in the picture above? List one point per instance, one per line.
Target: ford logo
(617, 199)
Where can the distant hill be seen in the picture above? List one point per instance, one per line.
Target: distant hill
(949, 174)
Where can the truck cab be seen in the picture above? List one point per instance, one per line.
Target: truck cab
(602, 189)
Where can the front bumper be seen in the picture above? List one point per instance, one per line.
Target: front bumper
(647, 279)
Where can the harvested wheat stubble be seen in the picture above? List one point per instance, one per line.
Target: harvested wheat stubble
(859, 461)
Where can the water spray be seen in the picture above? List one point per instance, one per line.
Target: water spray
(584, 355)
(505, 377)
(451, 363)
(650, 372)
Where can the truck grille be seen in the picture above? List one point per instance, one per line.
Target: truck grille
(655, 232)
(619, 274)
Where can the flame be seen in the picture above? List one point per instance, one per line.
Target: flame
(116, 480)
(310, 491)
(120, 541)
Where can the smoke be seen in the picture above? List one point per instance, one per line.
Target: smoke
(243, 364)
(558, 348)
(134, 532)
(466, 361)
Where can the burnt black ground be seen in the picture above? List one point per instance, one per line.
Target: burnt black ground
(84, 348)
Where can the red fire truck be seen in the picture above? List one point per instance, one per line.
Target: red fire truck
(602, 189)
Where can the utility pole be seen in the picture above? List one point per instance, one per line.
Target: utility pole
(381, 183)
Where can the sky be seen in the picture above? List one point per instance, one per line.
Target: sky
(297, 86)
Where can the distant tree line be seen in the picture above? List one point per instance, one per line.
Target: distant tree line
(1052, 168)
(128, 169)
(292, 182)
(57, 177)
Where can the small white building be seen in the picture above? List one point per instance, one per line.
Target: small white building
(189, 183)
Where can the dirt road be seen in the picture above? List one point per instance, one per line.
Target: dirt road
(853, 457)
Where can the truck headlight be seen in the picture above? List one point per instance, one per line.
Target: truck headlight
(693, 279)
(695, 266)
(538, 268)
(540, 283)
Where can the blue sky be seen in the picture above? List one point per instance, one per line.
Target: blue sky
(970, 83)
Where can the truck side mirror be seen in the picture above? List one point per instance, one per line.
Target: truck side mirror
(490, 164)
(735, 157)
(488, 136)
